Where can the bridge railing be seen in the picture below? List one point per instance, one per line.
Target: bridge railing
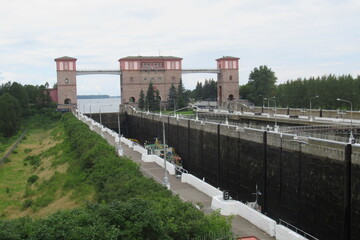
(297, 230)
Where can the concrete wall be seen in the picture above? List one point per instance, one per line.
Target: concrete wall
(301, 183)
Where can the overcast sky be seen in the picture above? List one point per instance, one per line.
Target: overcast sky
(293, 38)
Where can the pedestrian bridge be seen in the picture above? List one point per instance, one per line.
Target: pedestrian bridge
(118, 72)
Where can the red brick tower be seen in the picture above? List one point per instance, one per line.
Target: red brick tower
(138, 71)
(66, 81)
(228, 79)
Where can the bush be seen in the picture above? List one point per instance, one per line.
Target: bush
(32, 179)
(33, 160)
(27, 203)
(27, 150)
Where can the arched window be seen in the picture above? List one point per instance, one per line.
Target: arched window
(132, 99)
(67, 101)
(230, 78)
(66, 80)
(231, 97)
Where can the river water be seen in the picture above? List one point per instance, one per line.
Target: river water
(105, 105)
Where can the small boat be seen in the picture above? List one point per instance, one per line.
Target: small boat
(158, 149)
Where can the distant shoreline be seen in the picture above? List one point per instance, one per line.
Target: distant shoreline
(96, 96)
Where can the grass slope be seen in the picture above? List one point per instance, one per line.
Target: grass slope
(43, 153)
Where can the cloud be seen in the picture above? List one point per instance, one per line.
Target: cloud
(98, 33)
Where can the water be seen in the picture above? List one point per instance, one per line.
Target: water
(106, 105)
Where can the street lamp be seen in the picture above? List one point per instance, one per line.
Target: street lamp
(310, 105)
(267, 99)
(351, 138)
(174, 105)
(100, 112)
(120, 150)
(166, 179)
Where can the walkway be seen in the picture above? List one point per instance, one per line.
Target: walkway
(186, 192)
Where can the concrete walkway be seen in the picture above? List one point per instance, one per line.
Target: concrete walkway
(240, 226)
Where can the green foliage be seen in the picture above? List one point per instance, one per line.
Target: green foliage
(27, 203)
(261, 85)
(10, 115)
(130, 206)
(142, 104)
(34, 160)
(150, 100)
(27, 150)
(172, 98)
(182, 96)
(32, 179)
(297, 93)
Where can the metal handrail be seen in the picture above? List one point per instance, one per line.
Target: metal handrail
(297, 230)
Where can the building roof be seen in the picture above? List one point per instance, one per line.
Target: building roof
(150, 58)
(228, 57)
(65, 58)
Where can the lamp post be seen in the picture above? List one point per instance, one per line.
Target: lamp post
(120, 150)
(273, 99)
(311, 106)
(100, 113)
(174, 105)
(351, 138)
(166, 179)
(267, 99)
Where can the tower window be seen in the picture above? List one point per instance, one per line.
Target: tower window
(159, 79)
(131, 79)
(145, 79)
(131, 99)
(230, 78)
(66, 80)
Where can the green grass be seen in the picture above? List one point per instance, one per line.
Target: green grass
(44, 153)
(6, 143)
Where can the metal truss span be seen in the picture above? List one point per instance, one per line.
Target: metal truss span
(184, 71)
(92, 72)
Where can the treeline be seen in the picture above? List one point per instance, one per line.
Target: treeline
(129, 205)
(178, 98)
(206, 91)
(297, 93)
(322, 91)
(18, 101)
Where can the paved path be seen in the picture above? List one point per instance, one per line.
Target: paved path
(188, 193)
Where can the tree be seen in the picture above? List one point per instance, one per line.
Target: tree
(157, 100)
(182, 99)
(19, 92)
(172, 98)
(150, 98)
(141, 100)
(261, 84)
(198, 91)
(10, 115)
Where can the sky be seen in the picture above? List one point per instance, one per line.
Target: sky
(295, 38)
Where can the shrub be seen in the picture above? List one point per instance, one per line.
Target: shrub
(27, 203)
(32, 179)
(34, 160)
(27, 150)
